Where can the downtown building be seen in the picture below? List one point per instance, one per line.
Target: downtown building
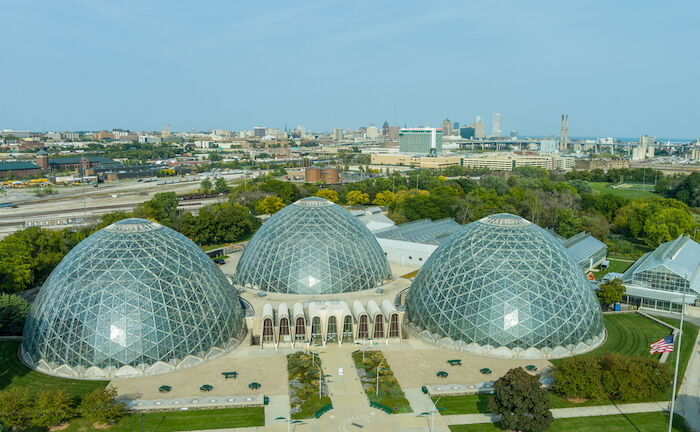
(421, 141)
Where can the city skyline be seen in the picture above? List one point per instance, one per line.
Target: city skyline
(618, 70)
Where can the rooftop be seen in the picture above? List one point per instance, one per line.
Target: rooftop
(421, 231)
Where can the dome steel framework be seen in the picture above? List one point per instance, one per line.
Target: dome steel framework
(313, 247)
(505, 287)
(135, 298)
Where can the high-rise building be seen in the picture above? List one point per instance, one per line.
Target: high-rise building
(446, 127)
(496, 130)
(394, 133)
(385, 129)
(421, 140)
(259, 131)
(479, 128)
(337, 134)
(645, 148)
(466, 132)
(372, 132)
(455, 127)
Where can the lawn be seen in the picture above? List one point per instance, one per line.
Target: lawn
(13, 373)
(633, 192)
(390, 393)
(181, 420)
(303, 373)
(628, 334)
(478, 403)
(690, 335)
(641, 422)
(616, 266)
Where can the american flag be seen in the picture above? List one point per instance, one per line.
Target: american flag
(662, 345)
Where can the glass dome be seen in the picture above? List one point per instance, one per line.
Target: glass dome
(503, 286)
(134, 298)
(313, 247)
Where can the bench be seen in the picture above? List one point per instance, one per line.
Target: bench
(455, 362)
(229, 374)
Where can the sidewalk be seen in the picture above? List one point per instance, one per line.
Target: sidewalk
(602, 410)
(688, 399)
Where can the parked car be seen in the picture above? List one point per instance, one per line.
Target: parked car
(219, 261)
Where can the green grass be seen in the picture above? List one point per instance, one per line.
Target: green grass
(478, 403)
(641, 422)
(690, 334)
(605, 188)
(390, 393)
(181, 420)
(628, 334)
(13, 373)
(616, 266)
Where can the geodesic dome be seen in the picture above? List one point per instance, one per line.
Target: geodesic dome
(134, 298)
(502, 286)
(313, 247)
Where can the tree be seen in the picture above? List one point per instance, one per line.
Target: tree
(13, 313)
(495, 183)
(52, 407)
(611, 292)
(356, 197)
(220, 186)
(384, 198)
(666, 225)
(108, 219)
(568, 224)
(578, 377)
(328, 194)
(521, 401)
(205, 185)
(102, 406)
(270, 205)
(14, 406)
(285, 190)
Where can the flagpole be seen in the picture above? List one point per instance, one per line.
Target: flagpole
(678, 359)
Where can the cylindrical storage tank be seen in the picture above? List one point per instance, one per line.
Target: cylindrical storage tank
(312, 174)
(330, 175)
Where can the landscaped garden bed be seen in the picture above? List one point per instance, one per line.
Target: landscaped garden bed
(304, 371)
(390, 394)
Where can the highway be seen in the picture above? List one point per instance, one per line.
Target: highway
(72, 206)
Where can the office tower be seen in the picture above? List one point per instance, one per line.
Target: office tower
(479, 128)
(496, 130)
(446, 127)
(385, 129)
(421, 141)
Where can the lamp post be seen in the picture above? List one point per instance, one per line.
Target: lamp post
(678, 358)
(378, 366)
(289, 421)
(432, 413)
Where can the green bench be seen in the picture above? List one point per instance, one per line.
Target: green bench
(455, 362)
(228, 375)
(206, 388)
(164, 389)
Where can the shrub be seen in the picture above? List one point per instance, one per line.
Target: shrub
(14, 407)
(627, 379)
(578, 377)
(52, 407)
(102, 406)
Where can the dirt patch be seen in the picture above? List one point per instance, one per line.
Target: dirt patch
(576, 400)
(102, 426)
(59, 427)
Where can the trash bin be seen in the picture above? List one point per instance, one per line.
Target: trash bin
(424, 389)
(266, 400)
(617, 307)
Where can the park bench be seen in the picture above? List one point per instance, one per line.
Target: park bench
(228, 375)
(455, 362)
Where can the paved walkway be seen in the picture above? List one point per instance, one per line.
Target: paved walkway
(602, 410)
(688, 400)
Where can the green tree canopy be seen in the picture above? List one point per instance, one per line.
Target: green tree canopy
(205, 185)
(356, 197)
(521, 401)
(52, 407)
(101, 406)
(220, 186)
(14, 406)
(13, 313)
(611, 292)
(578, 377)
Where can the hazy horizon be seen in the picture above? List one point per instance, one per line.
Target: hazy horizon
(620, 69)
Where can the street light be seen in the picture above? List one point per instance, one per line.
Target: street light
(378, 366)
(432, 413)
(289, 421)
(320, 379)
